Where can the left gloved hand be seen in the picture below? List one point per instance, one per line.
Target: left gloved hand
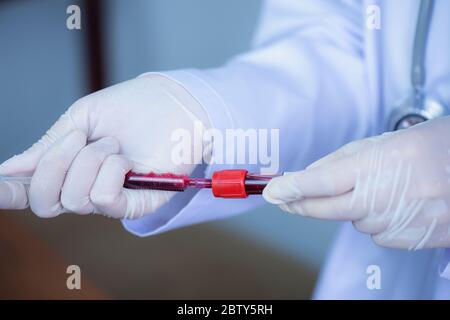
(395, 187)
(80, 164)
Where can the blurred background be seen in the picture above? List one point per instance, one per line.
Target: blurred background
(44, 68)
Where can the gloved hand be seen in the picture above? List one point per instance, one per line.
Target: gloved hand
(79, 165)
(395, 187)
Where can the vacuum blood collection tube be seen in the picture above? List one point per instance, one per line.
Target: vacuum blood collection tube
(224, 183)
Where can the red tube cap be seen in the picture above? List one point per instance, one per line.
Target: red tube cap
(229, 184)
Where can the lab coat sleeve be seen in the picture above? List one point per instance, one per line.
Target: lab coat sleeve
(304, 76)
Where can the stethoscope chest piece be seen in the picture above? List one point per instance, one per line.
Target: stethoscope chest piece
(409, 113)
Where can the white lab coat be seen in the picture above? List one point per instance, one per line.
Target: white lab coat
(323, 78)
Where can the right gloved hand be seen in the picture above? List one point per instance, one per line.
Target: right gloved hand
(79, 165)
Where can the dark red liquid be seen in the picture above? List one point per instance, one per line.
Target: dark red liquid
(156, 181)
(255, 184)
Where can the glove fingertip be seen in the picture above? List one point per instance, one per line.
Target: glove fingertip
(13, 195)
(18, 164)
(272, 193)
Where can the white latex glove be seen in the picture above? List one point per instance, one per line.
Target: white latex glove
(395, 187)
(80, 163)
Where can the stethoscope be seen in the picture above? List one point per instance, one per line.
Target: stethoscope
(419, 106)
